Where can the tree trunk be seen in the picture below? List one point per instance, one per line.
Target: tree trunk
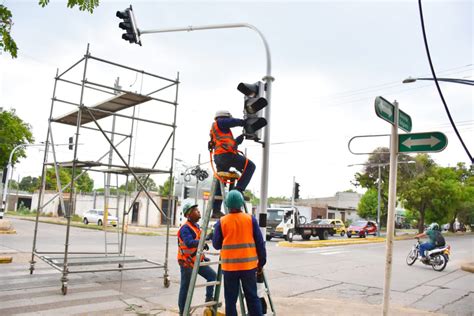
(421, 222)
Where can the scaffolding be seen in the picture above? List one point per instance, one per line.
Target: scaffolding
(92, 116)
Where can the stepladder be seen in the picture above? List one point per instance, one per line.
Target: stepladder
(226, 181)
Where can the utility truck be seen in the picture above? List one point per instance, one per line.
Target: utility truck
(293, 224)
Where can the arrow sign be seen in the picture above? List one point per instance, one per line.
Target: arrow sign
(422, 142)
(385, 111)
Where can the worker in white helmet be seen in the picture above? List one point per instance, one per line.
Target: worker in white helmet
(224, 146)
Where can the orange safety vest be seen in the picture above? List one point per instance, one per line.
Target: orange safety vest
(223, 142)
(238, 251)
(186, 255)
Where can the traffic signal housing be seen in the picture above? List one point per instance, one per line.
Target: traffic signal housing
(186, 192)
(71, 143)
(253, 103)
(296, 193)
(132, 34)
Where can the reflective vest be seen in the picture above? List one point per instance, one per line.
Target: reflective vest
(223, 142)
(187, 256)
(238, 251)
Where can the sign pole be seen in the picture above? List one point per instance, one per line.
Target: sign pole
(392, 196)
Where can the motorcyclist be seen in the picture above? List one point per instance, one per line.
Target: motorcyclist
(435, 240)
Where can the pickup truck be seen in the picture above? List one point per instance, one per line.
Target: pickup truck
(293, 224)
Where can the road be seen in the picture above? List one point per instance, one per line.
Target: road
(344, 274)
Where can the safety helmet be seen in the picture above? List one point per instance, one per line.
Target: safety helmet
(234, 200)
(433, 226)
(222, 113)
(187, 208)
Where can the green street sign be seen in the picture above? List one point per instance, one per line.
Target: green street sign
(422, 142)
(385, 110)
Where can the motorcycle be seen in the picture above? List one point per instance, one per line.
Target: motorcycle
(437, 258)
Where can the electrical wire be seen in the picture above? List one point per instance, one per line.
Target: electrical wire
(437, 84)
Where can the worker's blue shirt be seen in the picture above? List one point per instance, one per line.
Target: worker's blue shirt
(189, 236)
(226, 123)
(218, 238)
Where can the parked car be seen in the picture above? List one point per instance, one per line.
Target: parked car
(339, 227)
(362, 228)
(97, 217)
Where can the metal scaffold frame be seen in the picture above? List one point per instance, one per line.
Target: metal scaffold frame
(67, 261)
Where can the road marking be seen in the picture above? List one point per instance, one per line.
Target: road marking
(332, 253)
(42, 289)
(56, 298)
(80, 309)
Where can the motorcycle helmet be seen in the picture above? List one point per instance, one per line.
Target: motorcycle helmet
(434, 226)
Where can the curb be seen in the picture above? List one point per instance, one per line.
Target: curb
(5, 259)
(468, 267)
(12, 231)
(337, 242)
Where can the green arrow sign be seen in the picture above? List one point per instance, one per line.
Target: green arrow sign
(422, 142)
(385, 110)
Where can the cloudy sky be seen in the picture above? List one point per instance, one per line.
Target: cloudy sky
(330, 59)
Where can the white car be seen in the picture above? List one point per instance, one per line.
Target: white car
(97, 217)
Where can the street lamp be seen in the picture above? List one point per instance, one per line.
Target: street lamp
(452, 80)
(7, 176)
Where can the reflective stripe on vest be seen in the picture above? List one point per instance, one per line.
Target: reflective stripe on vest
(238, 246)
(224, 142)
(186, 255)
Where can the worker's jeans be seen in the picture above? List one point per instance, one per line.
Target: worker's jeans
(426, 246)
(223, 163)
(249, 285)
(206, 272)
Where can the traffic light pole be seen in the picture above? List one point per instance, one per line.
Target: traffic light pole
(268, 79)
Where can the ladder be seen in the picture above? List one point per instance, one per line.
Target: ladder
(211, 307)
(111, 192)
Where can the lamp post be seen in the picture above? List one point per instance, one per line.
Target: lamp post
(379, 183)
(7, 176)
(452, 80)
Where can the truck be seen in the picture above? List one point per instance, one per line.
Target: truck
(292, 223)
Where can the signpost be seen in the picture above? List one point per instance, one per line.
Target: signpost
(386, 110)
(419, 142)
(422, 142)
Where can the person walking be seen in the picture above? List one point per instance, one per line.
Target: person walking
(243, 254)
(226, 155)
(188, 240)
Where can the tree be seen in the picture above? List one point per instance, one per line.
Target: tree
(367, 207)
(29, 184)
(8, 44)
(133, 185)
(13, 132)
(167, 187)
(82, 184)
(369, 177)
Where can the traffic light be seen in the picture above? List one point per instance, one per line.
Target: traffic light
(186, 192)
(71, 143)
(253, 103)
(296, 194)
(129, 25)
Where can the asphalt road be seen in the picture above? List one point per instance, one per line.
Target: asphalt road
(353, 273)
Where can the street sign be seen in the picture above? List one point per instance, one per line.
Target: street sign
(422, 142)
(385, 110)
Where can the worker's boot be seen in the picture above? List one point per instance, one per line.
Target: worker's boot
(246, 198)
(217, 214)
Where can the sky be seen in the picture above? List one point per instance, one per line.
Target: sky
(330, 60)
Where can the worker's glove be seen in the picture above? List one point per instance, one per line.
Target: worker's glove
(206, 247)
(239, 139)
(210, 235)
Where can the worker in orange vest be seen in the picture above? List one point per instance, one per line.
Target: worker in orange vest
(188, 239)
(243, 254)
(226, 155)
